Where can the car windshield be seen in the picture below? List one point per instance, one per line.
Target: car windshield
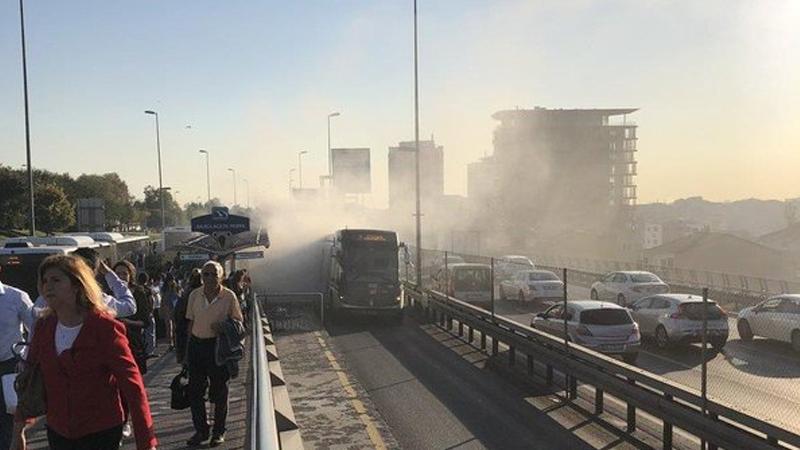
(542, 276)
(644, 278)
(605, 316)
(694, 311)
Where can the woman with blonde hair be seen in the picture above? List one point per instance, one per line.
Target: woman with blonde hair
(85, 362)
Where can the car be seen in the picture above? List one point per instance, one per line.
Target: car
(678, 319)
(468, 282)
(532, 285)
(506, 266)
(776, 318)
(601, 326)
(627, 287)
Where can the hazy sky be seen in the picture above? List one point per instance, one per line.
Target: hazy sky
(718, 84)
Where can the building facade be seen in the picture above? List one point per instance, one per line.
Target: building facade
(402, 175)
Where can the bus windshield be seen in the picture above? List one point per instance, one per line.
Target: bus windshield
(371, 263)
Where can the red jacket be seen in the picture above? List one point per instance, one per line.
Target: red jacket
(83, 384)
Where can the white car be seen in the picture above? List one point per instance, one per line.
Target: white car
(678, 319)
(532, 285)
(600, 326)
(775, 318)
(627, 287)
(506, 266)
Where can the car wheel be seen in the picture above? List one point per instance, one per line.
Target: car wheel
(593, 295)
(620, 300)
(521, 297)
(630, 358)
(745, 332)
(718, 343)
(796, 340)
(662, 340)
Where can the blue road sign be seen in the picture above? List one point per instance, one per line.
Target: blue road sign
(220, 221)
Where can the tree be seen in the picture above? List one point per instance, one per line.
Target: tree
(113, 191)
(54, 212)
(13, 198)
(173, 213)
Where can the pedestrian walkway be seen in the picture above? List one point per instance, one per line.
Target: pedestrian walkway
(174, 428)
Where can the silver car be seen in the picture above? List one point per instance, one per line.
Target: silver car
(775, 318)
(532, 285)
(626, 287)
(678, 319)
(600, 326)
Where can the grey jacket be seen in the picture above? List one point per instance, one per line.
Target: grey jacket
(230, 346)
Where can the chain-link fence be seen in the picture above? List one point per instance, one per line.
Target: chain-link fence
(290, 312)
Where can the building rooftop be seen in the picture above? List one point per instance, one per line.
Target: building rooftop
(539, 111)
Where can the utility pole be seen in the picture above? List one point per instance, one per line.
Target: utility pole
(31, 213)
(418, 214)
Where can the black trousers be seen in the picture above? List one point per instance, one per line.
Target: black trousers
(102, 440)
(205, 374)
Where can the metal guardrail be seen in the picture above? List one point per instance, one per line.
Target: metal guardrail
(272, 423)
(711, 421)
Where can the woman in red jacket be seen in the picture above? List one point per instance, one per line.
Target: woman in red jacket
(86, 363)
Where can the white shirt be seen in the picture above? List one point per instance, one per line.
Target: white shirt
(15, 313)
(65, 337)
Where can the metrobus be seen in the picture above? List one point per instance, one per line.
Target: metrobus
(363, 272)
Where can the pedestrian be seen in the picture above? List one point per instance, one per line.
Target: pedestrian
(120, 301)
(85, 363)
(15, 315)
(169, 297)
(208, 310)
(150, 327)
(194, 281)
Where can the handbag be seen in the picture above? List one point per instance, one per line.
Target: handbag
(31, 398)
(180, 391)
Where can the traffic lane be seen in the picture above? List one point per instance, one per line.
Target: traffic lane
(433, 398)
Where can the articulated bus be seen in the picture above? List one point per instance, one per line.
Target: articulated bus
(20, 257)
(363, 273)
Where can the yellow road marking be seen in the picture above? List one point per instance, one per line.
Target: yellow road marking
(355, 402)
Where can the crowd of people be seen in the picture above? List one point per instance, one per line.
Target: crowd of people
(90, 334)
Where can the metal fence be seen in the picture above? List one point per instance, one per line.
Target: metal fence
(715, 423)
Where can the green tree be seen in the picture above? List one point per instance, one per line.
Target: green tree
(54, 212)
(173, 213)
(114, 192)
(13, 198)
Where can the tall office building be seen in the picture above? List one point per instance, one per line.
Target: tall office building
(566, 168)
(402, 175)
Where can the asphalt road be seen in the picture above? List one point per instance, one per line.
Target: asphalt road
(757, 377)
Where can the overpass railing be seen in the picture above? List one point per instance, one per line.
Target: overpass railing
(272, 423)
(713, 422)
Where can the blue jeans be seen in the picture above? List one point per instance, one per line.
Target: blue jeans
(150, 336)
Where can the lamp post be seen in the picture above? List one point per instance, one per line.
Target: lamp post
(31, 213)
(234, 185)
(416, 152)
(300, 166)
(330, 157)
(291, 180)
(208, 176)
(247, 191)
(160, 180)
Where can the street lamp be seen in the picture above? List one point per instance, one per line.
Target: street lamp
(330, 161)
(160, 181)
(31, 213)
(416, 152)
(300, 166)
(291, 180)
(247, 188)
(234, 185)
(208, 176)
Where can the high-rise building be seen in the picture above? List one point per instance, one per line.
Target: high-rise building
(566, 168)
(402, 174)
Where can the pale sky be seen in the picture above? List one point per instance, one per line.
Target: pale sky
(717, 81)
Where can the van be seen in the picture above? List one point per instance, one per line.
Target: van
(468, 282)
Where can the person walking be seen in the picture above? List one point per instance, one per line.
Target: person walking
(209, 308)
(15, 315)
(194, 281)
(150, 328)
(169, 297)
(85, 363)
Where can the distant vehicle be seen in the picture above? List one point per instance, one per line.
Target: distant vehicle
(627, 287)
(468, 282)
(600, 326)
(363, 272)
(506, 266)
(678, 319)
(775, 318)
(532, 285)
